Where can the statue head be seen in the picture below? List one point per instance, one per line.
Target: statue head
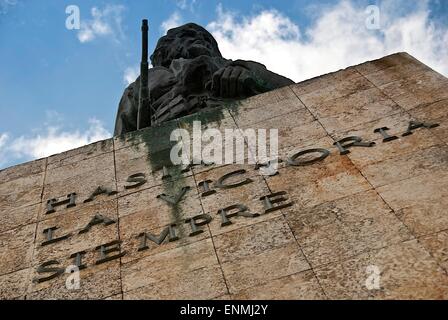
(188, 41)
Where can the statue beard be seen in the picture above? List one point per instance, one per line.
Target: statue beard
(197, 50)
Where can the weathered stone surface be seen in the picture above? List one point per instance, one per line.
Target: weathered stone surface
(155, 138)
(287, 103)
(220, 118)
(401, 148)
(252, 240)
(414, 191)
(392, 60)
(13, 285)
(22, 170)
(342, 228)
(424, 87)
(320, 182)
(15, 217)
(425, 217)
(397, 123)
(405, 166)
(80, 154)
(21, 192)
(115, 297)
(198, 284)
(293, 128)
(395, 73)
(16, 248)
(264, 267)
(334, 79)
(273, 98)
(437, 245)
(299, 286)
(335, 90)
(407, 271)
(434, 113)
(349, 111)
(163, 266)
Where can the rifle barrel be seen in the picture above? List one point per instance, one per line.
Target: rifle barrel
(144, 112)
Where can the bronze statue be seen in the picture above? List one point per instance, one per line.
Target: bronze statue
(188, 75)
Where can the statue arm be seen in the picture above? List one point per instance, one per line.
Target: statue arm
(266, 78)
(243, 79)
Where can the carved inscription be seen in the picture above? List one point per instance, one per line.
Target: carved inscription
(233, 179)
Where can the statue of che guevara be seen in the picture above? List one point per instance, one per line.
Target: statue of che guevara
(189, 75)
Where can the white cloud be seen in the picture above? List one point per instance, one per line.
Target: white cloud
(3, 154)
(52, 141)
(338, 38)
(130, 74)
(3, 138)
(173, 21)
(186, 4)
(104, 22)
(183, 4)
(6, 4)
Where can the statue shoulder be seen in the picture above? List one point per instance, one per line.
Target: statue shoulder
(160, 76)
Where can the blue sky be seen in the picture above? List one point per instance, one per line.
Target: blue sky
(60, 88)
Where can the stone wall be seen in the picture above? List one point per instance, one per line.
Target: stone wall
(335, 223)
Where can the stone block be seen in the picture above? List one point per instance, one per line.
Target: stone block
(340, 229)
(299, 286)
(16, 248)
(406, 271)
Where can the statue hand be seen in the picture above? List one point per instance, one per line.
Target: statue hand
(234, 81)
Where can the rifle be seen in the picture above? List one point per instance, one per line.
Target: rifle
(144, 115)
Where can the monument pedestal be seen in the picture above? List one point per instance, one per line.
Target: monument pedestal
(367, 224)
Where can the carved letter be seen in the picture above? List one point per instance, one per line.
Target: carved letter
(168, 231)
(43, 268)
(413, 125)
(49, 236)
(221, 181)
(97, 219)
(386, 136)
(78, 259)
(271, 199)
(205, 186)
(196, 222)
(98, 191)
(174, 200)
(292, 161)
(241, 210)
(70, 202)
(107, 248)
(138, 178)
(349, 142)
